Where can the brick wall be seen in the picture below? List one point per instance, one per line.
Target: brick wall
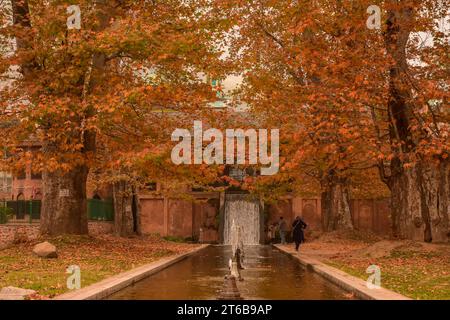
(181, 218)
(100, 227)
(367, 215)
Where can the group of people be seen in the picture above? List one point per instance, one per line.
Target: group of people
(297, 231)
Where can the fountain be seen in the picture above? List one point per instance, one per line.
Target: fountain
(269, 273)
(230, 290)
(245, 214)
(237, 251)
(242, 225)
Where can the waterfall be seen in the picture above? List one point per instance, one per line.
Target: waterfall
(245, 214)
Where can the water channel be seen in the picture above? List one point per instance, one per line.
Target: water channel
(268, 274)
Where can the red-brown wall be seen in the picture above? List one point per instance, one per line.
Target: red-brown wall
(181, 218)
(367, 215)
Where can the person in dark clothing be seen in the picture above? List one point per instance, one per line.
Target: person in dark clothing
(297, 231)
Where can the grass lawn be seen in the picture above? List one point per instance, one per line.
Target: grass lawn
(416, 273)
(415, 269)
(97, 257)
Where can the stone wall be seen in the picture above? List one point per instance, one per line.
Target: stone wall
(100, 227)
(367, 215)
(20, 232)
(195, 218)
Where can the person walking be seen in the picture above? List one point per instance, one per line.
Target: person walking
(282, 227)
(271, 233)
(297, 231)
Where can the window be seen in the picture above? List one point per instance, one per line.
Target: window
(21, 175)
(5, 182)
(217, 88)
(151, 186)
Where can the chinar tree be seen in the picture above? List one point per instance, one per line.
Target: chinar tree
(75, 70)
(415, 36)
(354, 86)
(294, 59)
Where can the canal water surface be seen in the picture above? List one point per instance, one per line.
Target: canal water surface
(268, 274)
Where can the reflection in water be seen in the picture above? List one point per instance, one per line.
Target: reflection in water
(269, 274)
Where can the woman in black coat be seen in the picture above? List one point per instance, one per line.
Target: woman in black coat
(297, 231)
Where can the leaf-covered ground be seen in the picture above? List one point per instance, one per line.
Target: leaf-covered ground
(414, 269)
(97, 257)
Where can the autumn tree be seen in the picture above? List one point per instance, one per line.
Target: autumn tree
(415, 35)
(353, 93)
(294, 57)
(350, 95)
(76, 84)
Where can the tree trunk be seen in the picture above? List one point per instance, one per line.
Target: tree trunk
(21, 13)
(335, 202)
(64, 201)
(64, 205)
(126, 209)
(21, 20)
(442, 220)
(420, 202)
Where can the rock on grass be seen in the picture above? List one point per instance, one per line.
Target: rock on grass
(45, 250)
(13, 293)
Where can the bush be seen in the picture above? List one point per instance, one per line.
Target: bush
(5, 214)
